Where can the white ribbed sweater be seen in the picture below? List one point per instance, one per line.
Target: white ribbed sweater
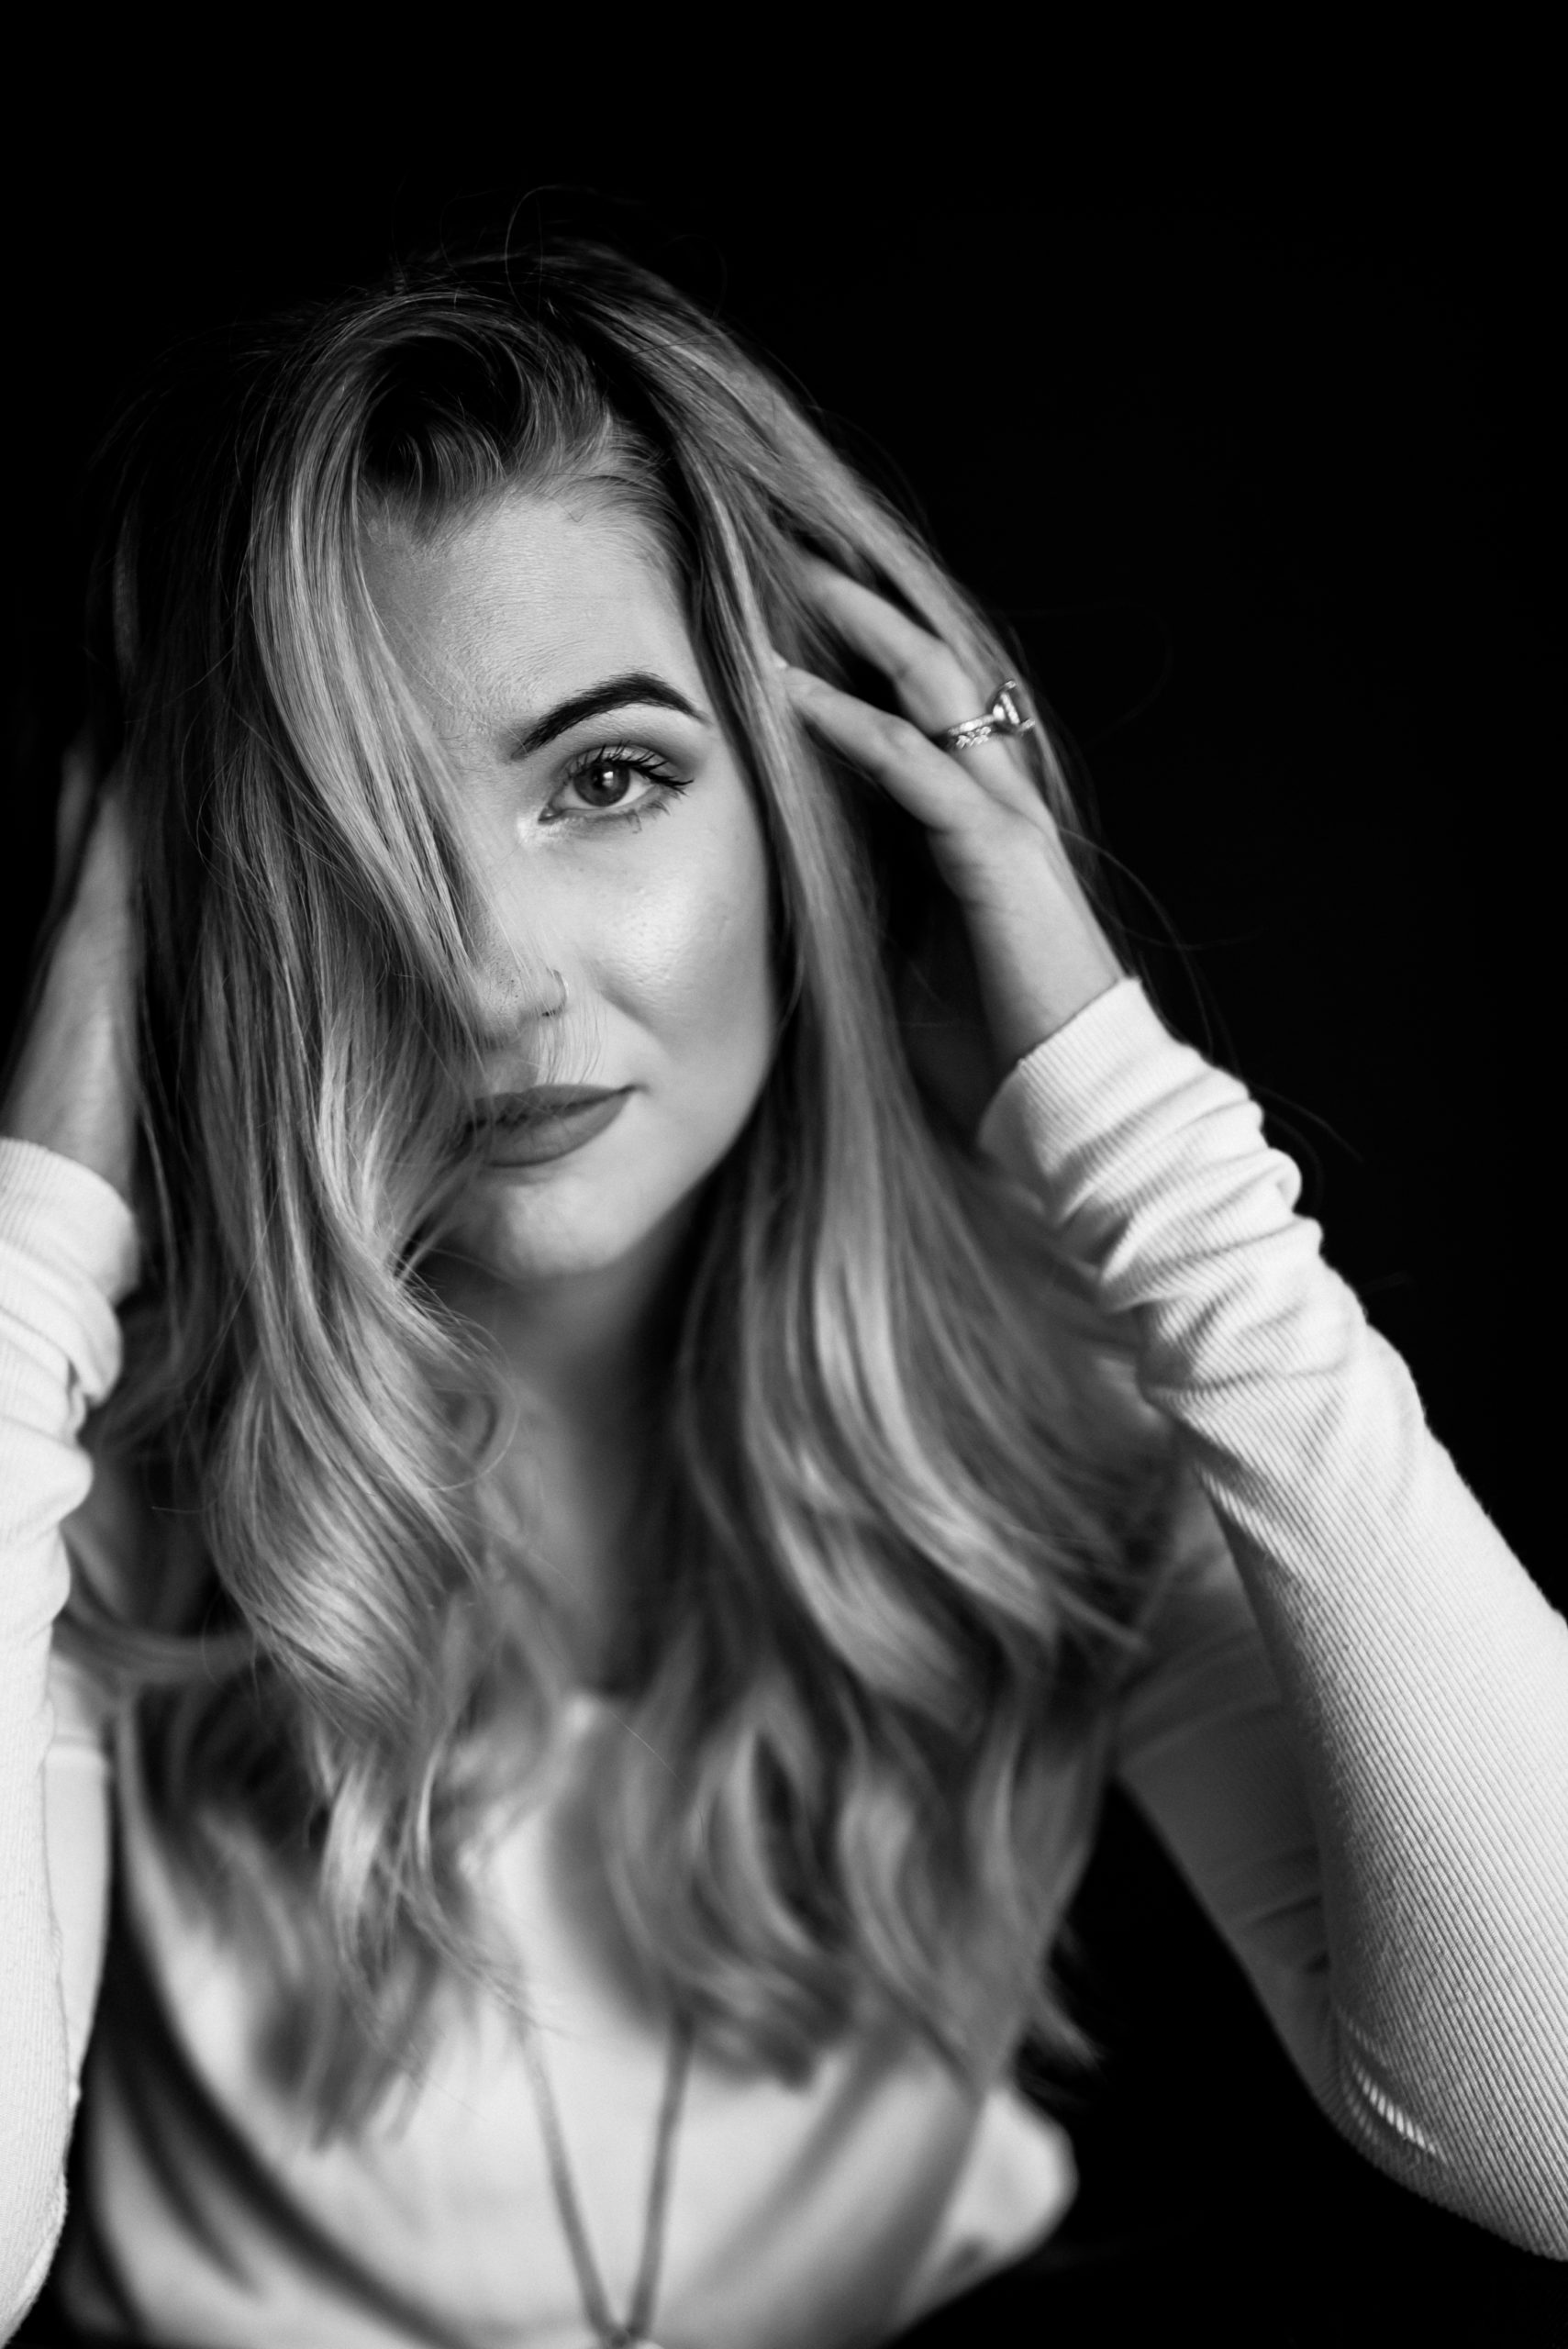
(1351, 1733)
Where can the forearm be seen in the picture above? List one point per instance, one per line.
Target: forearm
(66, 1091)
(64, 1249)
(35, 2070)
(73, 1090)
(1426, 1676)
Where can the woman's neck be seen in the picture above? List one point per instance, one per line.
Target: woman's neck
(581, 1361)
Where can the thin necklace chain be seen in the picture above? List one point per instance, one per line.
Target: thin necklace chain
(614, 2333)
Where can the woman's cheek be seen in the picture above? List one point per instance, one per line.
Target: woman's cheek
(694, 960)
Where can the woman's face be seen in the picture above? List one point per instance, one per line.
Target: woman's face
(624, 866)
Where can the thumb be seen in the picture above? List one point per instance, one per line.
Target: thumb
(72, 817)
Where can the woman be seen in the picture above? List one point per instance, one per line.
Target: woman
(696, 1370)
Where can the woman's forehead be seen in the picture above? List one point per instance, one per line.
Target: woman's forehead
(527, 601)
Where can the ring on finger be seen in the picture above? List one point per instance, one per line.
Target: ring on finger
(1006, 714)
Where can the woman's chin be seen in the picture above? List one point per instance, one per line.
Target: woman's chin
(524, 1235)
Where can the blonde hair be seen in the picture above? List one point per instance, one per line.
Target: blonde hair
(897, 1545)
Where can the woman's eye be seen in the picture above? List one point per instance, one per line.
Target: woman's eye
(616, 783)
(606, 783)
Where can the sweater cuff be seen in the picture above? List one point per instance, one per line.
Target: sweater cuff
(54, 1209)
(1099, 1074)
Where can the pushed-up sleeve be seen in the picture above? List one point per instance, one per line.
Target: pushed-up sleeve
(1351, 1730)
(68, 1254)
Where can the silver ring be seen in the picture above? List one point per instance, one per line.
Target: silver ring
(1006, 716)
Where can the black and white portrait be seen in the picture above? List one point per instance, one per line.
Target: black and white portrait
(779, 1561)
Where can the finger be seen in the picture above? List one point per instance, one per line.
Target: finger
(933, 688)
(74, 806)
(73, 816)
(893, 752)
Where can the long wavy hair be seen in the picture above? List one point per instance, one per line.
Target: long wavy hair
(895, 1548)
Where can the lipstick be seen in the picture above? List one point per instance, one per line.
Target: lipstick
(545, 1122)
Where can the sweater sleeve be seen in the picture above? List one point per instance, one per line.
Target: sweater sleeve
(68, 1254)
(1352, 1732)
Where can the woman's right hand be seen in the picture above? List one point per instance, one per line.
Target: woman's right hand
(73, 1088)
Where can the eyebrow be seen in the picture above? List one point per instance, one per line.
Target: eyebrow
(637, 686)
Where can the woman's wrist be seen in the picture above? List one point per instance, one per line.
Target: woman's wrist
(68, 1091)
(74, 1086)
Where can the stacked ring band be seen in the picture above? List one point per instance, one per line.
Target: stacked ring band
(1006, 716)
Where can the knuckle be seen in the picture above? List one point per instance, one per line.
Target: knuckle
(911, 658)
(901, 737)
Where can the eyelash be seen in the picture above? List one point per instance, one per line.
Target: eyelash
(617, 754)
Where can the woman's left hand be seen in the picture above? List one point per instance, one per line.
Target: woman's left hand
(1039, 955)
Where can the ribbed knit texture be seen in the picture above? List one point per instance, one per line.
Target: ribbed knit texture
(1426, 1675)
(1351, 1733)
(68, 1246)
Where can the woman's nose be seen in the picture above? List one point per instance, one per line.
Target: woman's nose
(521, 996)
(524, 957)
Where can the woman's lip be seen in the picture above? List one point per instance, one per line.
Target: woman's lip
(529, 1129)
(547, 1100)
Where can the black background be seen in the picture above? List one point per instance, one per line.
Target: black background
(1270, 495)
